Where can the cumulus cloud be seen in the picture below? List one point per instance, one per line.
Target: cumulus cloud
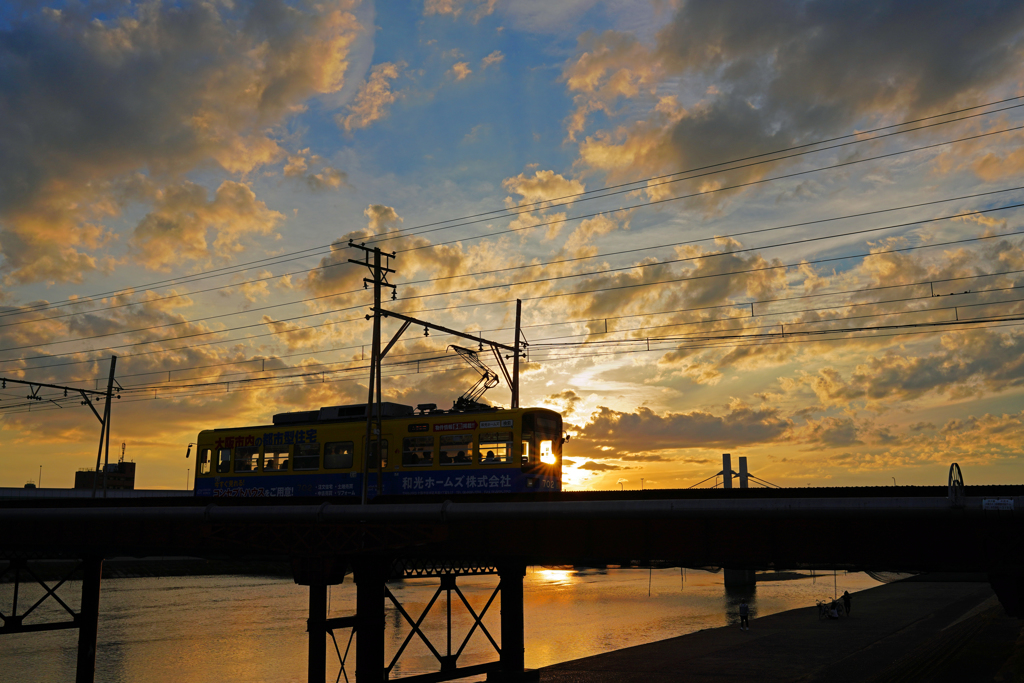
(374, 97)
(966, 363)
(565, 401)
(781, 74)
(622, 434)
(327, 179)
(93, 94)
(453, 8)
(382, 218)
(336, 275)
(184, 217)
(610, 66)
(833, 432)
(460, 70)
(496, 57)
(298, 166)
(540, 188)
(600, 466)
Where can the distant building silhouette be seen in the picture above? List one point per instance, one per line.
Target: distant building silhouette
(120, 475)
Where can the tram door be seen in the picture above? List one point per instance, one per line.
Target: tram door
(373, 466)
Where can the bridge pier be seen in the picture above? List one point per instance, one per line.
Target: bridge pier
(318, 573)
(370, 574)
(740, 577)
(88, 619)
(513, 628)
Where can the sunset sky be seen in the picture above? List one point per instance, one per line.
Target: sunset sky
(722, 239)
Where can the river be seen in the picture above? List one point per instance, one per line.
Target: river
(228, 629)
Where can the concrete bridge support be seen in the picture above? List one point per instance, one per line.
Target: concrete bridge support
(370, 576)
(513, 630)
(88, 619)
(740, 577)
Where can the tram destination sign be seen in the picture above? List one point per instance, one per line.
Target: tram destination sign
(455, 426)
(494, 424)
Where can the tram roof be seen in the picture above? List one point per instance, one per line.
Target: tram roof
(358, 412)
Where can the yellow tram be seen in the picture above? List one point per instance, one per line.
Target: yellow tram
(424, 451)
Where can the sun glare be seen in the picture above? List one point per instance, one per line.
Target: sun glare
(547, 455)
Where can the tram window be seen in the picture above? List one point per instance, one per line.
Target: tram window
(372, 459)
(245, 459)
(276, 460)
(495, 447)
(307, 456)
(456, 449)
(526, 452)
(224, 461)
(547, 454)
(205, 456)
(338, 455)
(418, 451)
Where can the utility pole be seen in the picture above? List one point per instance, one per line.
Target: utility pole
(105, 432)
(515, 355)
(36, 387)
(378, 278)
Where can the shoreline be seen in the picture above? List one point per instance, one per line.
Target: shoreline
(915, 630)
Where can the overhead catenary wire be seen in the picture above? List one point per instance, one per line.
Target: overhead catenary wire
(547, 203)
(215, 332)
(228, 270)
(737, 186)
(405, 233)
(542, 264)
(440, 244)
(702, 321)
(252, 386)
(844, 257)
(554, 278)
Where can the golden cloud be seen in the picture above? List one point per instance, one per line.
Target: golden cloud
(183, 217)
(374, 97)
(155, 89)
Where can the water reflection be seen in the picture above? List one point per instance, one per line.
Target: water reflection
(230, 629)
(734, 595)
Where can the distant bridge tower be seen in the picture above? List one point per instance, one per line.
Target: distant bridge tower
(736, 577)
(727, 473)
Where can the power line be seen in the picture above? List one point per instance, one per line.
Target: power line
(289, 256)
(512, 211)
(576, 275)
(987, 324)
(707, 276)
(980, 135)
(188, 322)
(789, 337)
(703, 193)
(712, 275)
(556, 261)
(177, 296)
(804, 240)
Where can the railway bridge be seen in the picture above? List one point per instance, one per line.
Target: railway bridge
(980, 529)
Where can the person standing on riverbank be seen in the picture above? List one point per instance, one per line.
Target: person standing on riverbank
(744, 616)
(846, 602)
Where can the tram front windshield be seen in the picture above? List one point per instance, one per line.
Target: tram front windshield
(542, 439)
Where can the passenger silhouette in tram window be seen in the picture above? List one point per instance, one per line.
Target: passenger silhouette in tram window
(461, 457)
(490, 457)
